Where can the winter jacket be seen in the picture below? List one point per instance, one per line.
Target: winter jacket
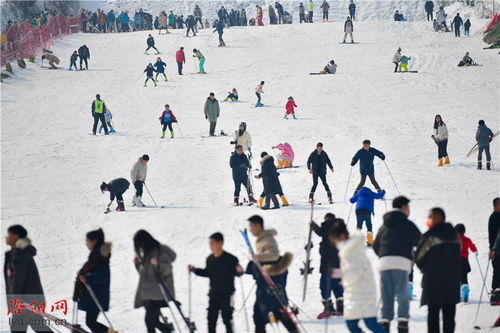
(279, 8)
(483, 136)
(328, 251)
(179, 56)
(197, 12)
(325, 6)
(348, 26)
(397, 57)
(302, 9)
(212, 110)
(466, 246)
(171, 19)
(395, 241)
(139, 171)
(496, 245)
(290, 106)
(96, 272)
(365, 158)
(190, 22)
(84, 52)
(148, 288)
(457, 22)
(163, 20)
(429, 6)
(467, 25)
(404, 60)
(270, 176)
(493, 228)
(360, 295)
(167, 116)
(51, 58)
(239, 163)
(441, 16)
(365, 199)
(22, 280)
(150, 41)
(219, 27)
(117, 186)
(438, 257)
(74, 58)
(271, 12)
(150, 71)
(268, 254)
(352, 7)
(331, 68)
(221, 272)
(441, 132)
(317, 163)
(310, 6)
(111, 17)
(286, 150)
(160, 66)
(245, 140)
(108, 116)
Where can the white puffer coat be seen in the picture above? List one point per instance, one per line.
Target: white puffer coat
(245, 140)
(360, 299)
(441, 133)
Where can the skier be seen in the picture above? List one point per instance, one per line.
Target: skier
(364, 199)
(467, 25)
(96, 274)
(116, 188)
(316, 164)
(197, 15)
(456, 24)
(348, 29)
(290, 108)
(108, 116)
(179, 20)
(240, 164)
(438, 257)
(151, 44)
(270, 180)
(276, 268)
(219, 27)
(441, 138)
(149, 74)
(429, 9)
(258, 91)
(180, 58)
(467, 245)
(441, 17)
(279, 9)
(151, 256)
(326, 7)
(98, 110)
(310, 11)
(160, 68)
(396, 59)
(212, 112)
(302, 13)
(166, 119)
(84, 54)
(358, 281)
(190, 24)
(286, 156)
(222, 14)
(403, 63)
(330, 68)
(221, 268)
(22, 281)
(352, 10)
(233, 96)
(72, 61)
(493, 231)
(394, 245)
(201, 59)
(365, 157)
(138, 176)
(483, 138)
(243, 138)
(259, 16)
(330, 269)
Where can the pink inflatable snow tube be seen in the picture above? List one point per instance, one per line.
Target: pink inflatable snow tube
(286, 151)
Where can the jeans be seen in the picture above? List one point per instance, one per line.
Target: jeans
(302, 17)
(394, 283)
(327, 285)
(363, 180)
(442, 145)
(179, 68)
(325, 15)
(138, 188)
(364, 217)
(486, 151)
(237, 186)
(323, 180)
(311, 17)
(448, 318)
(220, 303)
(350, 34)
(371, 323)
(97, 117)
(93, 324)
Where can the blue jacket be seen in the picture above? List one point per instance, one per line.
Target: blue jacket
(365, 158)
(111, 17)
(160, 66)
(125, 18)
(365, 199)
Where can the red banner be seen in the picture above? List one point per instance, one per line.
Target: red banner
(23, 40)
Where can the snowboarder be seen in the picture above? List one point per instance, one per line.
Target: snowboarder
(166, 119)
(365, 157)
(493, 231)
(466, 61)
(483, 138)
(286, 156)
(290, 108)
(364, 199)
(98, 109)
(190, 24)
(467, 25)
(330, 281)
(72, 61)
(96, 274)
(151, 44)
(180, 58)
(84, 54)
(279, 9)
(441, 138)
(403, 63)
(396, 59)
(212, 112)
(233, 96)
(219, 27)
(310, 11)
(456, 24)
(316, 164)
(116, 188)
(160, 68)
(240, 164)
(149, 74)
(352, 10)
(429, 9)
(243, 138)
(151, 256)
(201, 59)
(270, 180)
(325, 7)
(221, 269)
(258, 91)
(108, 116)
(348, 29)
(467, 245)
(302, 13)
(138, 177)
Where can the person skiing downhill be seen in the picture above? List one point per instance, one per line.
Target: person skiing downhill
(483, 138)
(316, 164)
(365, 157)
(270, 180)
(467, 245)
(290, 108)
(219, 27)
(166, 119)
(149, 74)
(160, 68)
(348, 29)
(151, 44)
(286, 155)
(364, 200)
(212, 112)
(98, 110)
(116, 188)
(240, 164)
(258, 91)
(201, 59)
(441, 138)
(138, 176)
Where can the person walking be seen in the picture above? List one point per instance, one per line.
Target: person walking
(138, 177)
(365, 156)
(441, 138)
(483, 138)
(98, 110)
(212, 112)
(396, 59)
(116, 188)
(180, 58)
(316, 164)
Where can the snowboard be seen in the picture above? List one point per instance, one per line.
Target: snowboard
(318, 73)
(476, 148)
(348, 43)
(407, 72)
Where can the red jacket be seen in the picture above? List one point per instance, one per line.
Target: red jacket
(466, 245)
(179, 56)
(290, 106)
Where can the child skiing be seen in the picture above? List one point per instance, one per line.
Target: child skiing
(290, 108)
(108, 116)
(233, 96)
(149, 74)
(166, 119)
(72, 60)
(201, 59)
(116, 188)
(151, 44)
(467, 245)
(160, 68)
(364, 199)
(286, 156)
(258, 91)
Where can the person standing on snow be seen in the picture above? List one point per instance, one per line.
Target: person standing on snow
(212, 112)
(365, 208)
(151, 44)
(166, 119)
(138, 177)
(243, 138)
(348, 29)
(258, 91)
(180, 58)
(201, 59)
(270, 180)
(219, 27)
(316, 164)
(240, 164)
(493, 232)
(441, 138)
(160, 68)
(272, 15)
(162, 22)
(467, 28)
(326, 7)
(352, 10)
(190, 24)
(259, 16)
(483, 138)
(108, 116)
(310, 8)
(290, 108)
(279, 9)
(84, 54)
(72, 60)
(441, 17)
(429, 9)
(302, 13)
(456, 24)
(365, 157)
(116, 188)
(98, 110)
(396, 59)
(197, 15)
(149, 74)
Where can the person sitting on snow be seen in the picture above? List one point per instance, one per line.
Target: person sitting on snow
(233, 96)
(286, 156)
(330, 68)
(398, 17)
(466, 61)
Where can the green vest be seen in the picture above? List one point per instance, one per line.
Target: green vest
(98, 106)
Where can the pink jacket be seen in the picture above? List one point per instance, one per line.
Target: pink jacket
(286, 150)
(162, 20)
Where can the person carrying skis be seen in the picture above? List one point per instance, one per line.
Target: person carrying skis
(98, 110)
(243, 138)
(348, 29)
(358, 281)
(274, 267)
(151, 44)
(166, 119)
(396, 59)
(219, 27)
(352, 10)
(484, 135)
(72, 61)
(95, 275)
(212, 112)
(286, 156)
(258, 91)
(365, 207)
(180, 58)
(153, 261)
(221, 268)
(84, 54)
(316, 164)
(108, 116)
(365, 157)
(467, 245)
(270, 180)
(441, 138)
(429, 9)
(456, 24)
(138, 176)
(160, 68)
(233, 96)
(240, 164)
(325, 7)
(290, 108)
(331, 275)
(467, 25)
(116, 188)
(201, 59)
(190, 24)
(149, 74)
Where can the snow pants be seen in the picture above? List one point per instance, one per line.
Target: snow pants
(486, 151)
(152, 47)
(352, 14)
(495, 283)
(84, 59)
(179, 68)
(430, 16)
(361, 217)
(372, 179)
(457, 31)
(202, 63)
(212, 128)
(190, 29)
(258, 97)
(448, 318)
(465, 270)
(198, 19)
(164, 75)
(442, 145)
(403, 66)
(152, 317)
(99, 117)
(311, 17)
(350, 34)
(394, 284)
(327, 285)
(169, 125)
(221, 41)
(222, 303)
(323, 180)
(260, 319)
(73, 63)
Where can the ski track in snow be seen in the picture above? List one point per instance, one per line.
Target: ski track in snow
(52, 168)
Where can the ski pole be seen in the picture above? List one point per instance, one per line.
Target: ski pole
(96, 301)
(349, 216)
(150, 195)
(139, 77)
(347, 186)
(189, 295)
(247, 297)
(307, 263)
(390, 174)
(244, 304)
(481, 295)
(479, 266)
(180, 132)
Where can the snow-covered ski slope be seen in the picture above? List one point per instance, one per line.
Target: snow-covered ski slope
(52, 167)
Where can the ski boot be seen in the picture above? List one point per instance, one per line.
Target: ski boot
(154, 82)
(233, 99)
(311, 197)
(267, 204)
(464, 293)
(236, 201)
(446, 160)
(276, 204)
(479, 165)
(340, 307)
(259, 105)
(284, 202)
(145, 85)
(280, 165)
(260, 202)
(293, 115)
(162, 134)
(330, 200)
(120, 207)
(440, 162)
(146, 52)
(369, 238)
(403, 325)
(138, 202)
(328, 310)
(171, 134)
(111, 130)
(488, 166)
(386, 325)
(133, 201)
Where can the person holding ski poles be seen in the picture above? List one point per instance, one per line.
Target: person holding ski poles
(138, 176)
(441, 138)
(483, 138)
(239, 164)
(151, 44)
(221, 269)
(219, 27)
(153, 261)
(116, 188)
(467, 245)
(316, 164)
(166, 119)
(95, 274)
(149, 74)
(365, 157)
(201, 59)
(160, 68)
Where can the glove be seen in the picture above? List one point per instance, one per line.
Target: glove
(175, 121)
(353, 164)
(233, 142)
(206, 117)
(382, 158)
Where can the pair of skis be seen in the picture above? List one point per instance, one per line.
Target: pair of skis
(476, 148)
